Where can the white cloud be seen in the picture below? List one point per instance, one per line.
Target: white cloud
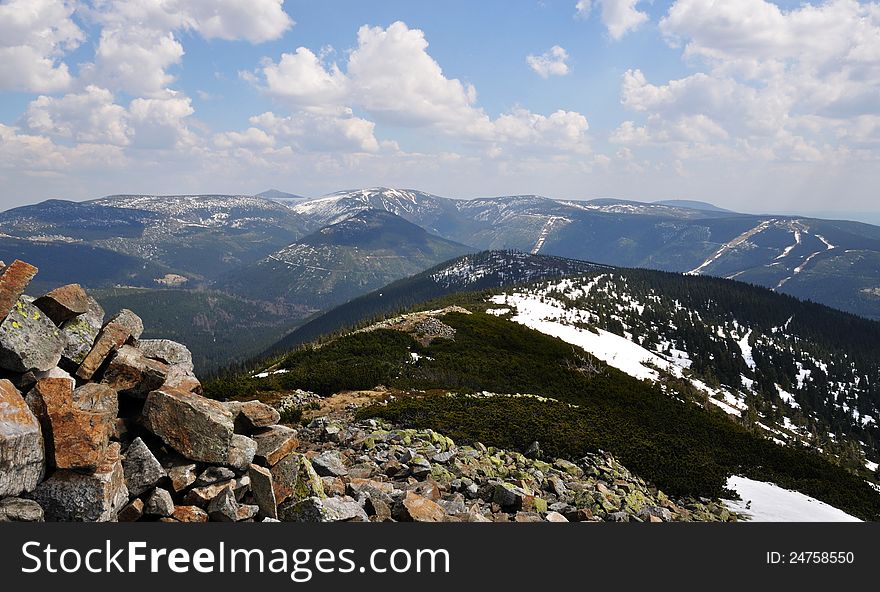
(254, 20)
(161, 122)
(135, 60)
(34, 35)
(90, 116)
(775, 84)
(301, 79)
(391, 76)
(138, 44)
(619, 16)
(249, 138)
(549, 63)
(319, 133)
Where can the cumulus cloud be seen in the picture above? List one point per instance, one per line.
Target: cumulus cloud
(90, 116)
(300, 79)
(391, 76)
(138, 44)
(795, 84)
(549, 63)
(619, 16)
(314, 132)
(34, 36)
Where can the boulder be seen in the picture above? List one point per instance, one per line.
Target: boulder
(74, 496)
(316, 509)
(189, 514)
(119, 329)
(253, 415)
(181, 379)
(329, 464)
(262, 490)
(274, 443)
(130, 373)
(64, 303)
(168, 352)
(22, 459)
(142, 469)
(159, 503)
(294, 478)
(247, 512)
(16, 509)
(200, 429)
(224, 507)
(214, 475)
(182, 475)
(14, 278)
(79, 334)
(77, 423)
(241, 452)
(29, 340)
(202, 496)
(132, 512)
(555, 517)
(415, 508)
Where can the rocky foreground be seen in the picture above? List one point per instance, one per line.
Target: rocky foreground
(97, 424)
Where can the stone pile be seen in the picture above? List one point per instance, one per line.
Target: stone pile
(97, 424)
(372, 470)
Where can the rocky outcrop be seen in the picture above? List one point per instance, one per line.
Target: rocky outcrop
(22, 459)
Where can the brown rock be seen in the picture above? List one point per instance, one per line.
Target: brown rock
(182, 475)
(122, 327)
(74, 496)
(22, 460)
(64, 303)
(202, 496)
(252, 415)
(189, 514)
(78, 423)
(14, 278)
(274, 443)
(415, 508)
(183, 380)
(131, 373)
(132, 512)
(198, 428)
(261, 488)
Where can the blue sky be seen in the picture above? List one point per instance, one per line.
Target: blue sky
(751, 104)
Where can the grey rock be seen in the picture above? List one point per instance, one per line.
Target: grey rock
(241, 452)
(16, 509)
(167, 351)
(72, 496)
(213, 475)
(224, 507)
(132, 512)
(159, 503)
(264, 494)
(142, 469)
(79, 333)
(22, 458)
(329, 464)
(29, 340)
(315, 509)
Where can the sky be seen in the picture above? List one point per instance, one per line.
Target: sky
(752, 105)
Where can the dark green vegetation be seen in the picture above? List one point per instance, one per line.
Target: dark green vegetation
(342, 261)
(828, 359)
(682, 447)
(471, 273)
(219, 329)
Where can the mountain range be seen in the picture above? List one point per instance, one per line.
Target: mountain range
(306, 255)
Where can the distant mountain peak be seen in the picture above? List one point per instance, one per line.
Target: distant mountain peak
(275, 194)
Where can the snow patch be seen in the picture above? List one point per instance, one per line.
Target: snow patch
(766, 502)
